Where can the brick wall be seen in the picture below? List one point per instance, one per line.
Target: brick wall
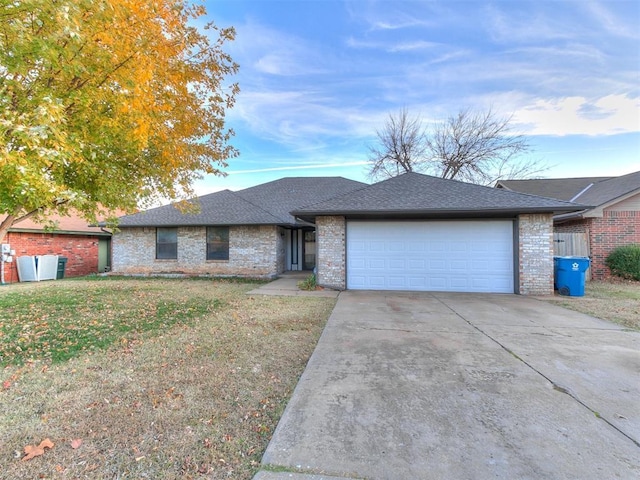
(331, 260)
(535, 251)
(574, 226)
(613, 230)
(254, 251)
(81, 251)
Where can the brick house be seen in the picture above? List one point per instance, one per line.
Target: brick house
(613, 221)
(87, 249)
(411, 232)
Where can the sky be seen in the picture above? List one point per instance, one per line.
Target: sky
(318, 77)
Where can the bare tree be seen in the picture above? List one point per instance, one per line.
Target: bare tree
(470, 146)
(402, 146)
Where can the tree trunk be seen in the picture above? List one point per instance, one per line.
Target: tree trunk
(6, 225)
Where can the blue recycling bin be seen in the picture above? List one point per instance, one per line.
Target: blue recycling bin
(569, 275)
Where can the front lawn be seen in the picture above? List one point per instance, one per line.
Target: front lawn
(615, 300)
(154, 378)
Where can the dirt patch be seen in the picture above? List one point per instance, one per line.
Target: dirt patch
(614, 300)
(194, 399)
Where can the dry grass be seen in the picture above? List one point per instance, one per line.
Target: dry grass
(198, 398)
(614, 300)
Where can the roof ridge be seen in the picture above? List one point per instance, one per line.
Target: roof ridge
(364, 185)
(493, 188)
(602, 178)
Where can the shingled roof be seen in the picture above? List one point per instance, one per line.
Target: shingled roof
(423, 195)
(610, 189)
(560, 188)
(266, 204)
(595, 191)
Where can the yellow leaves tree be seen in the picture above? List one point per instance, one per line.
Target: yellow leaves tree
(108, 104)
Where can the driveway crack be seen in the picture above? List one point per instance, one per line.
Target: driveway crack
(555, 386)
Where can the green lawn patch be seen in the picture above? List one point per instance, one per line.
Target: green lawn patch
(58, 321)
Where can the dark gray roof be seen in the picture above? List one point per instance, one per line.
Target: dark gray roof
(417, 194)
(594, 191)
(610, 189)
(282, 196)
(560, 188)
(266, 204)
(219, 208)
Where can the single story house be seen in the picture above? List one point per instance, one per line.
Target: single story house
(87, 249)
(613, 221)
(411, 232)
(246, 233)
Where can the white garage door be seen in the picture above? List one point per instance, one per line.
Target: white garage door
(450, 256)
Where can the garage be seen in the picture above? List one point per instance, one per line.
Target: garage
(448, 256)
(418, 232)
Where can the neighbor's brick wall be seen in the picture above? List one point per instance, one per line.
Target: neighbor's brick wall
(613, 229)
(535, 251)
(574, 226)
(81, 251)
(331, 254)
(254, 251)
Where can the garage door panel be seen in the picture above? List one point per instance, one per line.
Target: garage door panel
(416, 264)
(465, 256)
(397, 264)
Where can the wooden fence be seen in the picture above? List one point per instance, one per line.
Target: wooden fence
(572, 244)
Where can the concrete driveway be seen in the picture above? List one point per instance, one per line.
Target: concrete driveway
(462, 386)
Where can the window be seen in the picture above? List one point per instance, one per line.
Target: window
(217, 243)
(167, 243)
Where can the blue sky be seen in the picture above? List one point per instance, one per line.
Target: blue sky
(318, 77)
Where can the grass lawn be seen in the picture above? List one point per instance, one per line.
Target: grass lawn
(157, 378)
(614, 300)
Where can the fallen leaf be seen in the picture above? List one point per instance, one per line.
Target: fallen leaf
(33, 451)
(76, 443)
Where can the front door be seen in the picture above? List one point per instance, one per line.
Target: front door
(309, 249)
(104, 254)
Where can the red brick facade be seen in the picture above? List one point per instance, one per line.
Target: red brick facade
(613, 229)
(81, 251)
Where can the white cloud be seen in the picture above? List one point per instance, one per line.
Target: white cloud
(609, 115)
(301, 119)
(274, 52)
(310, 166)
(526, 25)
(623, 27)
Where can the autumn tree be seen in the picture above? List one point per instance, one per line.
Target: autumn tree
(476, 147)
(108, 104)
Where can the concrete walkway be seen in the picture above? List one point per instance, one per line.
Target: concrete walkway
(464, 386)
(287, 285)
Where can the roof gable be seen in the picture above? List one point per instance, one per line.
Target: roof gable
(414, 193)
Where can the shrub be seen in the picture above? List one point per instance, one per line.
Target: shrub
(308, 283)
(625, 261)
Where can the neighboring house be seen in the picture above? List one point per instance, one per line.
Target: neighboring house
(411, 232)
(613, 221)
(87, 249)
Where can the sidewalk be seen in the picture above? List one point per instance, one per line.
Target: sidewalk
(287, 285)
